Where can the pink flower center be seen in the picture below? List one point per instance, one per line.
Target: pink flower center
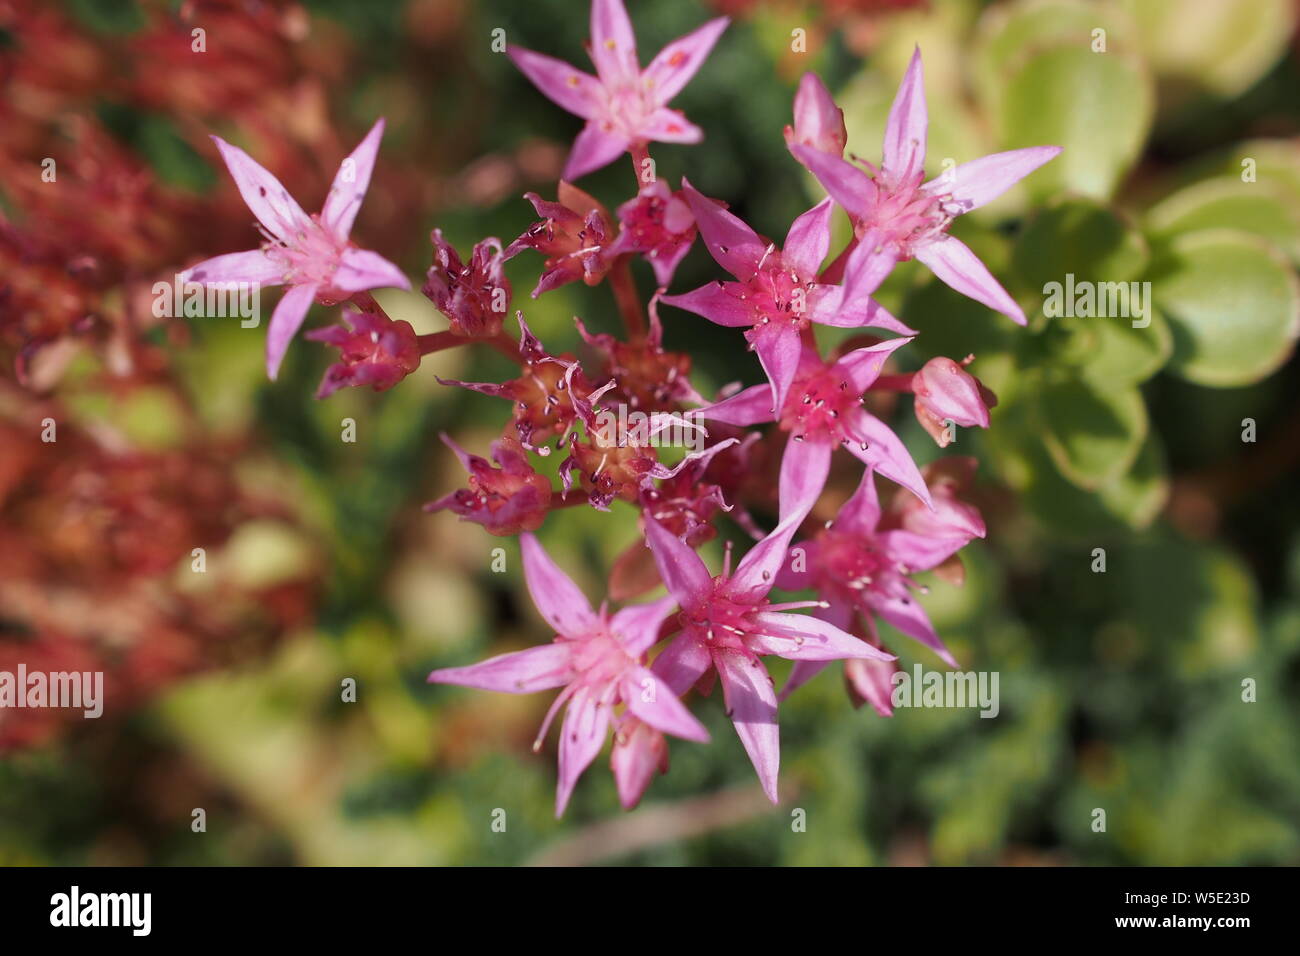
(853, 568)
(817, 406)
(721, 622)
(600, 659)
(909, 213)
(311, 258)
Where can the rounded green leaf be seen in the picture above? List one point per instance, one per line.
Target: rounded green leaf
(1092, 434)
(1008, 32)
(1078, 236)
(1222, 47)
(1137, 496)
(1233, 304)
(1265, 209)
(1098, 106)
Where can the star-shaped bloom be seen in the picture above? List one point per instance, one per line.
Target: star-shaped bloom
(776, 292)
(822, 409)
(312, 255)
(911, 217)
(625, 107)
(862, 562)
(597, 659)
(728, 623)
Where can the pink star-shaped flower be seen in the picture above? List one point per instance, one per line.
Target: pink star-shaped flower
(595, 657)
(310, 254)
(624, 106)
(822, 409)
(862, 562)
(911, 217)
(776, 292)
(728, 623)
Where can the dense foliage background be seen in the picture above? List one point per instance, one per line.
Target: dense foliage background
(1120, 690)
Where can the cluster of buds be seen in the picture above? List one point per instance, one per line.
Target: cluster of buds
(628, 672)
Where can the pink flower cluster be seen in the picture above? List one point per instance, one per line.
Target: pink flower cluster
(857, 568)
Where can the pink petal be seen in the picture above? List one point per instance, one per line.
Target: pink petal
(558, 599)
(800, 674)
(869, 263)
(718, 302)
(809, 240)
(350, 184)
(586, 722)
(862, 366)
(818, 122)
(873, 681)
(758, 569)
(861, 513)
(285, 322)
(649, 697)
(909, 617)
(802, 637)
(670, 126)
(749, 407)
(639, 750)
(804, 467)
(733, 245)
(593, 149)
(839, 614)
(751, 705)
(251, 266)
(684, 574)
(566, 86)
(520, 672)
(637, 625)
(906, 130)
(848, 185)
(779, 349)
(269, 201)
(613, 44)
(790, 579)
(982, 180)
(676, 63)
(921, 552)
(886, 453)
(683, 662)
(955, 264)
(361, 269)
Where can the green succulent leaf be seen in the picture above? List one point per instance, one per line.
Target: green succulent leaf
(1098, 106)
(1233, 304)
(1092, 433)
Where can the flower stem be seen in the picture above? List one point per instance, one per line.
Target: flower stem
(892, 383)
(629, 304)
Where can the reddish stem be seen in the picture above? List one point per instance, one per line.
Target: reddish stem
(629, 303)
(892, 383)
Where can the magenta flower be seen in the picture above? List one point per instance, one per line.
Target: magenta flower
(777, 293)
(374, 350)
(659, 225)
(818, 122)
(473, 297)
(625, 107)
(946, 392)
(858, 564)
(911, 217)
(574, 234)
(504, 500)
(822, 409)
(310, 254)
(728, 624)
(595, 657)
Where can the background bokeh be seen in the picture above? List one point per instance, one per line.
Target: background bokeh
(1120, 690)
